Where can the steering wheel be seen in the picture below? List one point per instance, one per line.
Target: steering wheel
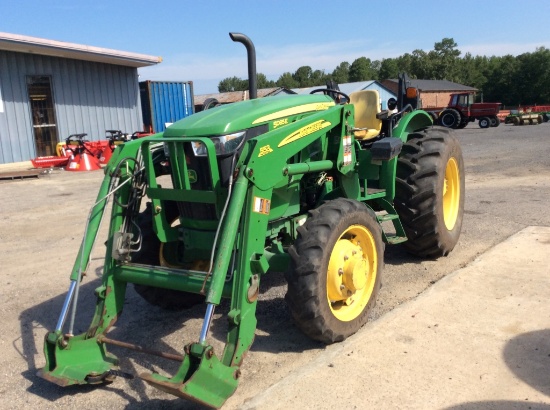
(329, 91)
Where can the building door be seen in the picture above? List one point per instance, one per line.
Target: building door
(43, 114)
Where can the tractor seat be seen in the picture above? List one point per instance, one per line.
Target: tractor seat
(367, 106)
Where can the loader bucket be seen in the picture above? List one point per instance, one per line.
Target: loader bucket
(202, 378)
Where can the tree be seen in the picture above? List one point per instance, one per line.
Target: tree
(318, 77)
(511, 80)
(286, 80)
(444, 60)
(340, 74)
(404, 65)
(375, 67)
(361, 70)
(502, 81)
(421, 65)
(471, 71)
(263, 82)
(533, 73)
(232, 84)
(303, 76)
(237, 84)
(389, 68)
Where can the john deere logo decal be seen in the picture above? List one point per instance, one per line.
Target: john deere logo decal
(192, 175)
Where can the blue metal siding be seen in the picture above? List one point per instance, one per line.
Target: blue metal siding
(166, 102)
(88, 97)
(385, 94)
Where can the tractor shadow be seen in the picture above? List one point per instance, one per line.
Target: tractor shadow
(527, 355)
(398, 255)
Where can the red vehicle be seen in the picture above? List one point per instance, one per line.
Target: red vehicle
(462, 109)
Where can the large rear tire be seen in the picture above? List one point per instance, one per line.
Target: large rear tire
(337, 260)
(450, 118)
(150, 254)
(430, 192)
(463, 123)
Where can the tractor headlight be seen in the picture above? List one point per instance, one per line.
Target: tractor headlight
(225, 144)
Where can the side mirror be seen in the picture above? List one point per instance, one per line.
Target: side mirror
(392, 104)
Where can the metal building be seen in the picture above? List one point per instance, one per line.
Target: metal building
(51, 89)
(433, 93)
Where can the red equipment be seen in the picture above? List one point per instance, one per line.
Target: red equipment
(78, 154)
(49, 161)
(461, 110)
(84, 155)
(115, 138)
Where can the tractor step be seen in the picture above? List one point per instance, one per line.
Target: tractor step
(386, 217)
(390, 214)
(394, 239)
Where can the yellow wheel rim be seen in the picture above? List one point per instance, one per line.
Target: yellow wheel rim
(451, 193)
(351, 274)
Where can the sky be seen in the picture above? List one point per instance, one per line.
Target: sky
(192, 37)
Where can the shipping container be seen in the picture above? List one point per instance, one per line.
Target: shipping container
(165, 102)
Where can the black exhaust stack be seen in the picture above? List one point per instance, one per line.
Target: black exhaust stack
(251, 52)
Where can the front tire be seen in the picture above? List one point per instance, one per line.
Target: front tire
(150, 254)
(337, 261)
(484, 122)
(430, 192)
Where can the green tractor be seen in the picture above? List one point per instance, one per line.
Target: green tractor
(311, 185)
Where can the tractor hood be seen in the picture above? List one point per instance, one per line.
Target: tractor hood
(247, 114)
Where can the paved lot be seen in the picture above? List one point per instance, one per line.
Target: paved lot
(478, 339)
(41, 225)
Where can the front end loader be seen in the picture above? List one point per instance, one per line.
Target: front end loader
(312, 185)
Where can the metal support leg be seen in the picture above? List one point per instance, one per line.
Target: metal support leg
(206, 323)
(65, 308)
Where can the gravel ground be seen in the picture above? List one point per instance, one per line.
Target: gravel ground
(41, 226)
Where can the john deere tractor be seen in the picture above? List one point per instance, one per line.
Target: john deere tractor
(312, 185)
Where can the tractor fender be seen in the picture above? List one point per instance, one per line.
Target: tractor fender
(412, 122)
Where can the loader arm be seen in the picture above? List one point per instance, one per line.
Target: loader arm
(242, 235)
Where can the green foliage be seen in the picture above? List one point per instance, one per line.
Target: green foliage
(263, 82)
(389, 68)
(444, 60)
(306, 77)
(236, 84)
(511, 80)
(303, 76)
(362, 70)
(287, 81)
(232, 84)
(341, 73)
